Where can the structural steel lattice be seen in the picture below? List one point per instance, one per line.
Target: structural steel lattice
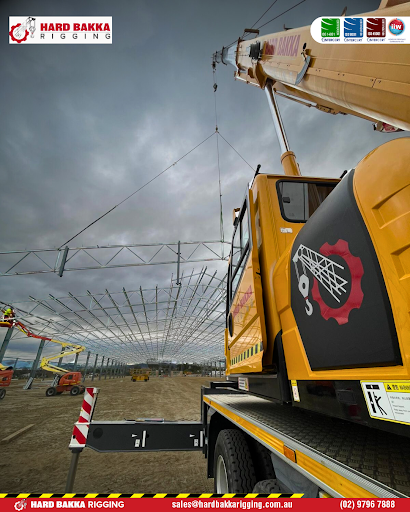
(182, 322)
(68, 259)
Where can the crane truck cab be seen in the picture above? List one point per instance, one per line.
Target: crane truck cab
(318, 295)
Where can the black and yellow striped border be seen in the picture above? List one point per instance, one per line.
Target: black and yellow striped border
(251, 351)
(187, 495)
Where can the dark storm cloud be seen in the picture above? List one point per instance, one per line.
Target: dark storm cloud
(83, 126)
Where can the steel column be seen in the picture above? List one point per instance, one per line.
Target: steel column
(106, 368)
(5, 343)
(75, 362)
(15, 363)
(35, 366)
(95, 367)
(86, 365)
(111, 369)
(101, 368)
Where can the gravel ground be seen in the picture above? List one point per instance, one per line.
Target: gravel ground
(38, 461)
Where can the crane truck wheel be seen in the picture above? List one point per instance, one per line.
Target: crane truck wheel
(75, 390)
(262, 461)
(233, 467)
(2, 393)
(267, 487)
(51, 391)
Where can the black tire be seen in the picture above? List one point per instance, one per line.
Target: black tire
(51, 391)
(233, 467)
(262, 461)
(75, 390)
(267, 487)
(2, 393)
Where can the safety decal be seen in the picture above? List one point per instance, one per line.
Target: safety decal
(388, 400)
(295, 390)
(327, 272)
(251, 351)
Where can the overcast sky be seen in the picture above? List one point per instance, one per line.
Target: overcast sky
(82, 126)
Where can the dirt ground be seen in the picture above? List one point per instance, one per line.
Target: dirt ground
(38, 461)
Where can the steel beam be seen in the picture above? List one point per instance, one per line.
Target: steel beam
(6, 342)
(35, 366)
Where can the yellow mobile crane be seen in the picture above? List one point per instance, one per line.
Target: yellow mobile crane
(318, 300)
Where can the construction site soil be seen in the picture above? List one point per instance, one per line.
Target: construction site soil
(38, 460)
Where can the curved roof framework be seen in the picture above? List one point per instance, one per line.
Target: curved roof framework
(183, 322)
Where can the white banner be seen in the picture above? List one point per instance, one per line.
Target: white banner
(361, 30)
(60, 30)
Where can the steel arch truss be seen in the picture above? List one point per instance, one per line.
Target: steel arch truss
(181, 322)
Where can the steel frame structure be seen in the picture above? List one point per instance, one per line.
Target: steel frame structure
(69, 259)
(182, 322)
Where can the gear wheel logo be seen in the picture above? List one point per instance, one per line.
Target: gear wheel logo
(20, 505)
(18, 34)
(355, 299)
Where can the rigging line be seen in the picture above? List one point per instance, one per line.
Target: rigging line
(221, 221)
(143, 186)
(281, 14)
(275, 18)
(268, 9)
(247, 163)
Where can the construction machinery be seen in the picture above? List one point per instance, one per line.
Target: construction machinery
(318, 298)
(140, 374)
(64, 380)
(318, 291)
(6, 374)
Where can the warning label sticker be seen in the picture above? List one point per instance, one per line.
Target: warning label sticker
(295, 391)
(388, 400)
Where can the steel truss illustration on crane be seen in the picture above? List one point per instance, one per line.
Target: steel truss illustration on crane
(181, 322)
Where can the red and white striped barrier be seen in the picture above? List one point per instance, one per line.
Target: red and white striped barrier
(81, 427)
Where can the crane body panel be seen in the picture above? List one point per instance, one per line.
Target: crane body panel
(318, 297)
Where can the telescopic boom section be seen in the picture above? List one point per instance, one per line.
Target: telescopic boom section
(45, 362)
(370, 81)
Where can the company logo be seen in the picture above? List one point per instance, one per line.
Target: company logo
(60, 30)
(396, 27)
(20, 505)
(19, 32)
(286, 46)
(330, 27)
(353, 27)
(329, 274)
(376, 27)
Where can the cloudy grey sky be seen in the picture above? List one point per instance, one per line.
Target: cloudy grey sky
(82, 126)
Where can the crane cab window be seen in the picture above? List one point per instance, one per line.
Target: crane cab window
(239, 252)
(299, 200)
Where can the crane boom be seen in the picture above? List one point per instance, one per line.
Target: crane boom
(45, 362)
(370, 81)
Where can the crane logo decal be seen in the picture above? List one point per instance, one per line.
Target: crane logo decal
(20, 32)
(325, 271)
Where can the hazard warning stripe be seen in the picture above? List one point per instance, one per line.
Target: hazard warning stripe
(251, 351)
(183, 495)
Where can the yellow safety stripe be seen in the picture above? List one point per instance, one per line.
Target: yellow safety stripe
(251, 351)
(329, 477)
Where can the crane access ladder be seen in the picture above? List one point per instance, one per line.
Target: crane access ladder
(333, 457)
